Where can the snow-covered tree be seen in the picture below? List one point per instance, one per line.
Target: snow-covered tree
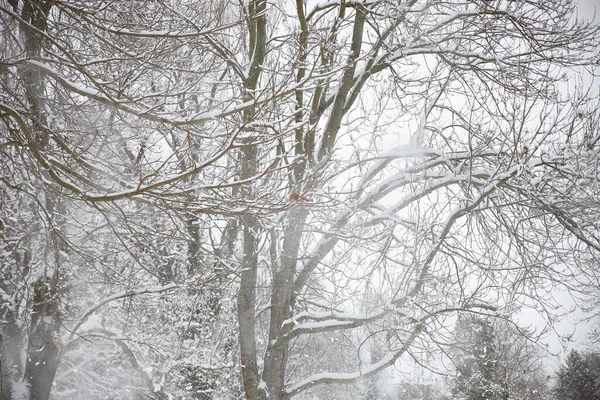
(494, 359)
(522, 361)
(476, 357)
(269, 197)
(579, 377)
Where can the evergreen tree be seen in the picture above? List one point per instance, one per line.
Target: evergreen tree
(579, 377)
(476, 359)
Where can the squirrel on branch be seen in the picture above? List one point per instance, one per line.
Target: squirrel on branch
(295, 196)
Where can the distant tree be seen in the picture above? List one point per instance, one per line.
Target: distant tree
(416, 391)
(496, 360)
(579, 377)
(477, 371)
(520, 362)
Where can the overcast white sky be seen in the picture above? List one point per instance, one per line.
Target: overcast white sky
(587, 8)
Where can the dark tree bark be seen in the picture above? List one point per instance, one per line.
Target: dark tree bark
(43, 353)
(43, 345)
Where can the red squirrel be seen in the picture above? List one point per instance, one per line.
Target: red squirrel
(295, 196)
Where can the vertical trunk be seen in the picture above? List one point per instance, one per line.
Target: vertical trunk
(247, 292)
(338, 109)
(246, 311)
(257, 22)
(11, 340)
(283, 300)
(11, 336)
(44, 348)
(194, 245)
(283, 296)
(10, 353)
(5, 373)
(372, 388)
(44, 345)
(34, 15)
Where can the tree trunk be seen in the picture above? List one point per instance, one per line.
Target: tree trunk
(43, 353)
(283, 299)
(10, 354)
(246, 312)
(247, 294)
(44, 347)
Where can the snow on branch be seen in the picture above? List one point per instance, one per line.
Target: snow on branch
(340, 378)
(309, 323)
(120, 295)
